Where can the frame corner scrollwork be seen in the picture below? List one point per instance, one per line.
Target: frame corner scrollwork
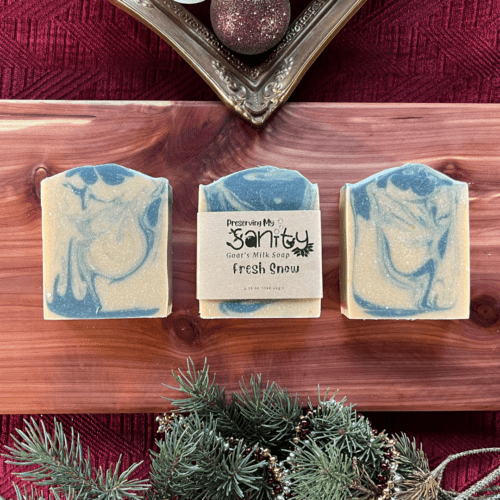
(255, 93)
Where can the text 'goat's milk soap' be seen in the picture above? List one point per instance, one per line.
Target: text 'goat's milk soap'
(259, 246)
(405, 246)
(106, 244)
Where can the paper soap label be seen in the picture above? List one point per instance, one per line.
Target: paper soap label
(259, 255)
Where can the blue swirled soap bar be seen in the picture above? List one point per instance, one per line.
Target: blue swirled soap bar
(260, 189)
(405, 246)
(106, 244)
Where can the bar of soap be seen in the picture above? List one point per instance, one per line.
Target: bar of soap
(260, 189)
(106, 244)
(405, 246)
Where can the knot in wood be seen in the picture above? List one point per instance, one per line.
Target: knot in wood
(454, 170)
(485, 310)
(185, 327)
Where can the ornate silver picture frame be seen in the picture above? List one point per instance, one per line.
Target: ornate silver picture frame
(254, 92)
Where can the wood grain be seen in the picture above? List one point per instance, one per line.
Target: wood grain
(120, 365)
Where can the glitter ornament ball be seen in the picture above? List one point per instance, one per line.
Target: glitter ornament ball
(250, 26)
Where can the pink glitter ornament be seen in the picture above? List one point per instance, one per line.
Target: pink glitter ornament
(250, 26)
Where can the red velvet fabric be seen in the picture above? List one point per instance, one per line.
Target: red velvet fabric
(391, 51)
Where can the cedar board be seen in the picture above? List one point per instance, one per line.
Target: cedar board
(120, 365)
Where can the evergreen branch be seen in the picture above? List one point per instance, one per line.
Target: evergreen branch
(263, 415)
(62, 466)
(34, 494)
(412, 459)
(196, 462)
(206, 398)
(322, 473)
(339, 424)
(31, 495)
(168, 465)
(271, 412)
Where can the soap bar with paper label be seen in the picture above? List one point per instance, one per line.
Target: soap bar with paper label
(264, 190)
(405, 246)
(106, 244)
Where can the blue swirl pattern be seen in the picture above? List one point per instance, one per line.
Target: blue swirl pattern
(111, 235)
(406, 248)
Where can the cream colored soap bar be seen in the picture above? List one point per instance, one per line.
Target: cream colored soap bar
(404, 242)
(106, 244)
(260, 189)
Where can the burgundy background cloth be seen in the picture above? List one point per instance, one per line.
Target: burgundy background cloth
(391, 51)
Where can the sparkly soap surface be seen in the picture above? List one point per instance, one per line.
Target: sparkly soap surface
(260, 189)
(106, 244)
(405, 246)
